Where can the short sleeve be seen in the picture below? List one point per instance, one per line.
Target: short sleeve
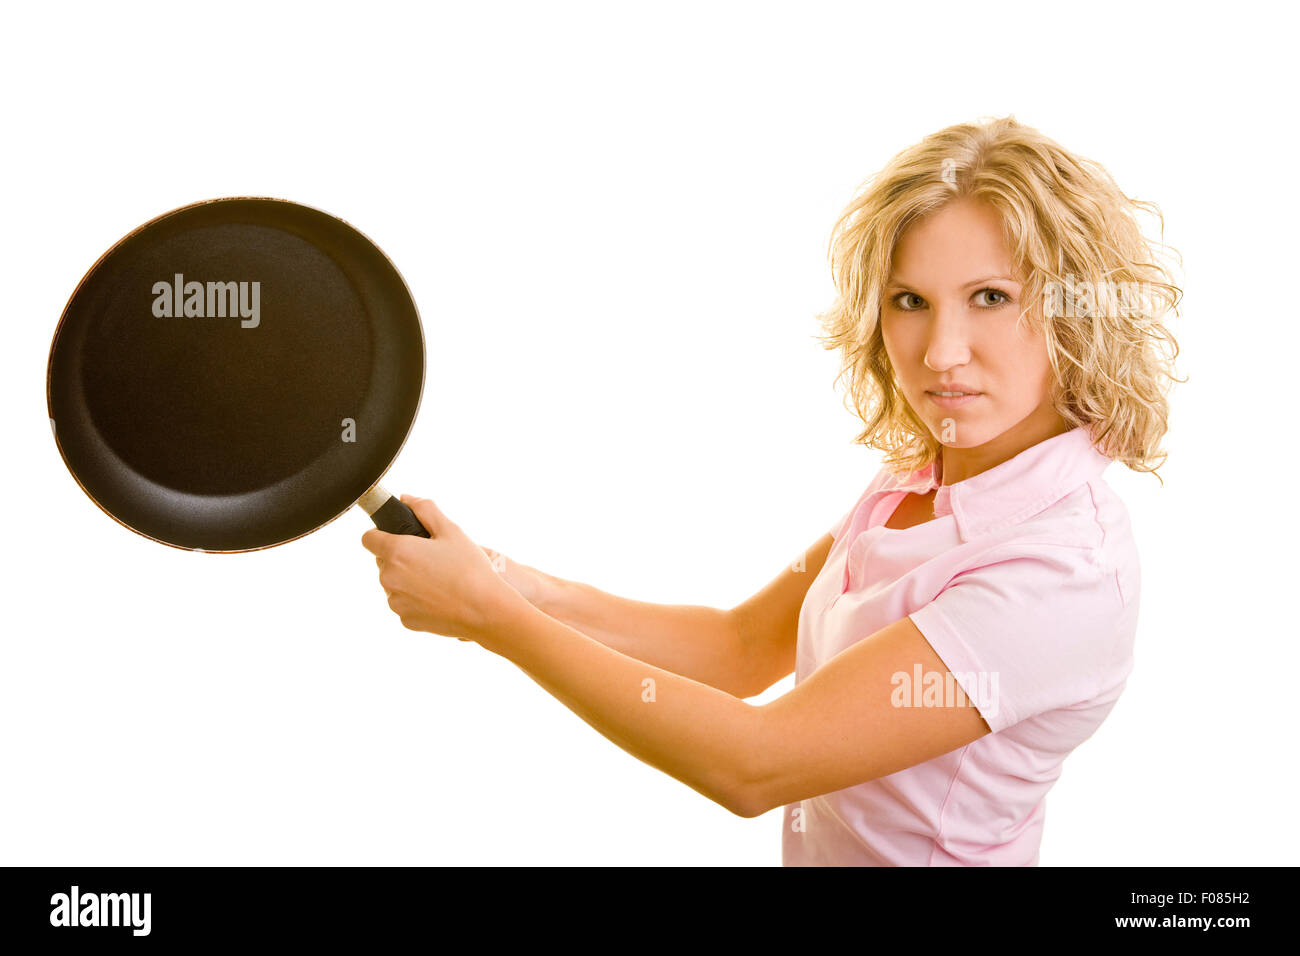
(1028, 633)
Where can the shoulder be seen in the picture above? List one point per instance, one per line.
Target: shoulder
(1043, 617)
(1073, 567)
(1087, 534)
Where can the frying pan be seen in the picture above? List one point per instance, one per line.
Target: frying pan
(236, 373)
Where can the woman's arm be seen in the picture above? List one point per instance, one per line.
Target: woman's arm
(769, 620)
(838, 728)
(702, 643)
(834, 730)
(741, 651)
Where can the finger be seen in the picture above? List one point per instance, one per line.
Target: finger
(378, 543)
(428, 513)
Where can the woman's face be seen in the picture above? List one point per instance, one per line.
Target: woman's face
(949, 324)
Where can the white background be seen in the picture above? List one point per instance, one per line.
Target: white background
(614, 220)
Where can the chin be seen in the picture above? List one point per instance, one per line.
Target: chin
(959, 434)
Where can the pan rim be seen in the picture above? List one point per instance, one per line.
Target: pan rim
(63, 318)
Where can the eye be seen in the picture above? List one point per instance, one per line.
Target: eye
(1002, 298)
(898, 301)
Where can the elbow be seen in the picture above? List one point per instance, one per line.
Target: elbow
(741, 801)
(749, 806)
(749, 800)
(749, 792)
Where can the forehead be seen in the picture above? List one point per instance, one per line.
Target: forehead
(962, 240)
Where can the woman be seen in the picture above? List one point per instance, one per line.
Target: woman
(970, 621)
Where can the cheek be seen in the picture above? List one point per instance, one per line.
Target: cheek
(887, 334)
(899, 345)
(1022, 367)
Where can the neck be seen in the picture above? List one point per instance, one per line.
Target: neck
(1041, 424)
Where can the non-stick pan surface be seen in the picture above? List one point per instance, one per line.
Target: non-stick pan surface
(206, 412)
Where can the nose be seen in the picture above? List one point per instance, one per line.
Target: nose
(948, 344)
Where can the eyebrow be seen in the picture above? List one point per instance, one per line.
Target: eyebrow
(898, 281)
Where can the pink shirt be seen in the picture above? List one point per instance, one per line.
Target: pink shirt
(1026, 585)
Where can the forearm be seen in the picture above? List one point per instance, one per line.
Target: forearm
(697, 642)
(702, 736)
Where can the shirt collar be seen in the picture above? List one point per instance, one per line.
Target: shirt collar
(1010, 492)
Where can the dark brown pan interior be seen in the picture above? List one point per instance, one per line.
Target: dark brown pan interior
(207, 431)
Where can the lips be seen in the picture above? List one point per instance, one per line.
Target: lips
(952, 398)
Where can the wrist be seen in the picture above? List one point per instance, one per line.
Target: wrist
(498, 620)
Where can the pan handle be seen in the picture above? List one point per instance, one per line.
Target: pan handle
(389, 514)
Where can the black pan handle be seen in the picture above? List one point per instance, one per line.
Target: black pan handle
(389, 514)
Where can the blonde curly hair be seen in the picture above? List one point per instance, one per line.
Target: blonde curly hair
(1069, 228)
